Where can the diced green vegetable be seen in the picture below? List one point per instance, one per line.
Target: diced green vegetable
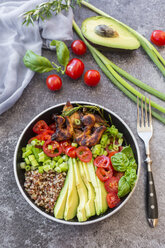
(104, 140)
(58, 169)
(74, 144)
(26, 154)
(27, 161)
(63, 166)
(40, 169)
(42, 157)
(22, 165)
(27, 168)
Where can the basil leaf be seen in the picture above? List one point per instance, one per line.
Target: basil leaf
(123, 187)
(37, 63)
(120, 161)
(131, 177)
(62, 52)
(129, 153)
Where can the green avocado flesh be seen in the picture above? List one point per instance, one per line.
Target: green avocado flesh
(123, 40)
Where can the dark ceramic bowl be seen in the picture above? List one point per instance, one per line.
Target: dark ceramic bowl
(28, 133)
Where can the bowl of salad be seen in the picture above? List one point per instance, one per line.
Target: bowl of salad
(77, 163)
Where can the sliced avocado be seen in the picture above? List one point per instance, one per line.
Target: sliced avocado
(61, 201)
(100, 199)
(107, 32)
(90, 205)
(72, 200)
(82, 193)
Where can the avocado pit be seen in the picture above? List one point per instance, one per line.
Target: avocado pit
(105, 31)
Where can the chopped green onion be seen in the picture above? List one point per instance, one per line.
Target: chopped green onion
(63, 166)
(26, 154)
(22, 165)
(27, 161)
(58, 169)
(27, 168)
(77, 122)
(50, 147)
(40, 169)
(74, 144)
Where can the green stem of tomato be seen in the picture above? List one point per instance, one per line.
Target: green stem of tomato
(147, 46)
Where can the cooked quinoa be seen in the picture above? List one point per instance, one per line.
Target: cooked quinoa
(44, 188)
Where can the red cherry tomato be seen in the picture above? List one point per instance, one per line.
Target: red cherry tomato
(111, 154)
(78, 47)
(75, 68)
(84, 154)
(111, 185)
(113, 200)
(70, 151)
(54, 82)
(118, 174)
(64, 144)
(158, 37)
(52, 148)
(43, 136)
(53, 127)
(104, 174)
(102, 162)
(40, 127)
(92, 77)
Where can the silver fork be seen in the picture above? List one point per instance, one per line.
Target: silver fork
(145, 131)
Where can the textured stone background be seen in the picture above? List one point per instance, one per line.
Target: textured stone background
(20, 225)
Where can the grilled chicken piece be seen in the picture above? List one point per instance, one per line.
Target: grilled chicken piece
(64, 128)
(75, 116)
(87, 138)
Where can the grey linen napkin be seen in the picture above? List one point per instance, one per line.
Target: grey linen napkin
(16, 38)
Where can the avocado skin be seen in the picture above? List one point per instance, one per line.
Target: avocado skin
(90, 205)
(72, 200)
(125, 40)
(61, 201)
(82, 193)
(100, 199)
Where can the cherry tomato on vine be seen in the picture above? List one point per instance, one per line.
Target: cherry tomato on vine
(92, 77)
(158, 37)
(54, 82)
(78, 47)
(75, 68)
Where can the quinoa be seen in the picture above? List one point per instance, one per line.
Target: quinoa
(44, 188)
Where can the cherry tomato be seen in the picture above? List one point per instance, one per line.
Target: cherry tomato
(70, 151)
(75, 68)
(158, 37)
(78, 47)
(102, 162)
(53, 127)
(40, 127)
(64, 144)
(118, 174)
(54, 82)
(84, 153)
(50, 147)
(112, 199)
(111, 185)
(111, 154)
(43, 136)
(92, 77)
(104, 174)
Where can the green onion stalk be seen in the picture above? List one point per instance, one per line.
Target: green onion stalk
(106, 67)
(147, 46)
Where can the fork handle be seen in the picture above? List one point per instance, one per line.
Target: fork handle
(152, 206)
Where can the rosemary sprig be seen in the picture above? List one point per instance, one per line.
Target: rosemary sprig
(45, 10)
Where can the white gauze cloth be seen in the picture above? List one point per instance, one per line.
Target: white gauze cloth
(16, 38)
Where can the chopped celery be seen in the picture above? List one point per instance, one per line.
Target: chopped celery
(65, 157)
(37, 142)
(58, 169)
(26, 154)
(63, 166)
(56, 158)
(42, 157)
(23, 149)
(40, 169)
(27, 161)
(60, 161)
(33, 161)
(36, 151)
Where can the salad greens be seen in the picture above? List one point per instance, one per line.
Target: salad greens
(120, 162)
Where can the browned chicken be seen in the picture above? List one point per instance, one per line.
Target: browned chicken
(64, 128)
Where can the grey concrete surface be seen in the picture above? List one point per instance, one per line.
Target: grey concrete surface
(20, 225)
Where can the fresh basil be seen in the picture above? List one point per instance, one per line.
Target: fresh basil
(129, 153)
(62, 52)
(120, 161)
(127, 182)
(37, 63)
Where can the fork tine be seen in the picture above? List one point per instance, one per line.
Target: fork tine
(150, 115)
(138, 122)
(146, 117)
(142, 121)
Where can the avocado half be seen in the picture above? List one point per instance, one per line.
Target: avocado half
(106, 32)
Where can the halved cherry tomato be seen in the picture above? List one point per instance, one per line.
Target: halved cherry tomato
(43, 136)
(84, 153)
(118, 174)
(112, 199)
(64, 144)
(103, 174)
(52, 127)
(102, 162)
(112, 153)
(111, 185)
(70, 151)
(40, 127)
(55, 149)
